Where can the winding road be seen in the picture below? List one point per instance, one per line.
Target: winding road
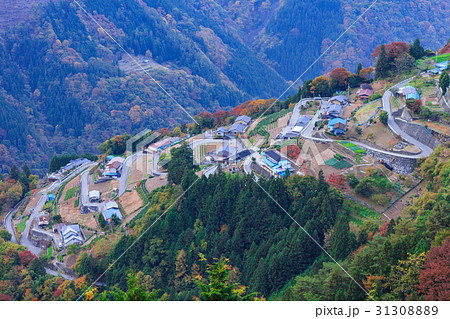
(386, 102)
(307, 133)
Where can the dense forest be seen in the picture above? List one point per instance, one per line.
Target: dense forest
(62, 90)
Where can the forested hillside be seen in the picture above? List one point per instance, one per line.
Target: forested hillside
(65, 86)
(61, 88)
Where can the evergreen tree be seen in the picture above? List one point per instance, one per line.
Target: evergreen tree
(382, 66)
(218, 288)
(343, 240)
(444, 82)
(101, 221)
(416, 50)
(359, 68)
(391, 227)
(14, 173)
(26, 170)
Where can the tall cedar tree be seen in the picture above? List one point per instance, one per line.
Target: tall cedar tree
(382, 66)
(444, 82)
(416, 50)
(343, 241)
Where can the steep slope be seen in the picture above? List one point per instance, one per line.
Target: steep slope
(63, 91)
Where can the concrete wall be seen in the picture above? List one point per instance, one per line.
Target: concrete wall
(419, 132)
(399, 164)
(39, 238)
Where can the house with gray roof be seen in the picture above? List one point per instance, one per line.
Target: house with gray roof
(339, 99)
(72, 234)
(244, 119)
(238, 128)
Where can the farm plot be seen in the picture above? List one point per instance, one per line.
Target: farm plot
(353, 147)
(367, 111)
(339, 164)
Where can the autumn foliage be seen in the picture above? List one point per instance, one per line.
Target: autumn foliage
(434, 280)
(393, 50)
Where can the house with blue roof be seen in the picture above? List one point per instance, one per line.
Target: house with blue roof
(440, 67)
(111, 209)
(278, 164)
(410, 92)
(337, 126)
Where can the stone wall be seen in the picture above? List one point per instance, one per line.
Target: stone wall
(400, 165)
(39, 238)
(419, 132)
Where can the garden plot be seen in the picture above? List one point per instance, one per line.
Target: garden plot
(367, 111)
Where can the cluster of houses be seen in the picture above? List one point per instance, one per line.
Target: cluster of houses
(294, 132)
(333, 112)
(68, 167)
(238, 128)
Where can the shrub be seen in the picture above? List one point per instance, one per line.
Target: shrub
(353, 181)
(384, 117)
(366, 187)
(380, 199)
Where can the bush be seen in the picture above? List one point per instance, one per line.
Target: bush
(384, 117)
(57, 219)
(375, 96)
(366, 187)
(380, 199)
(5, 235)
(73, 249)
(353, 181)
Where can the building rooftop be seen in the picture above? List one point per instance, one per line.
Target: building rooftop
(222, 130)
(410, 92)
(110, 212)
(339, 98)
(243, 118)
(238, 127)
(272, 155)
(303, 121)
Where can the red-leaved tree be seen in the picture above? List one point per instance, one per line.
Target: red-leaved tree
(434, 279)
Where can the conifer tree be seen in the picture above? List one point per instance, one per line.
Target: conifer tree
(359, 68)
(416, 50)
(444, 82)
(14, 173)
(343, 241)
(382, 66)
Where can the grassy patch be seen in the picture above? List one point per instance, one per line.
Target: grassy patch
(21, 226)
(367, 111)
(339, 164)
(49, 252)
(359, 213)
(353, 147)
(72, 192)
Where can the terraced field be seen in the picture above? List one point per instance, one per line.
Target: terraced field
(367, 111)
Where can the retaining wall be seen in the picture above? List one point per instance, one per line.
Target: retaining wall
(419, 132)
(399, 164)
